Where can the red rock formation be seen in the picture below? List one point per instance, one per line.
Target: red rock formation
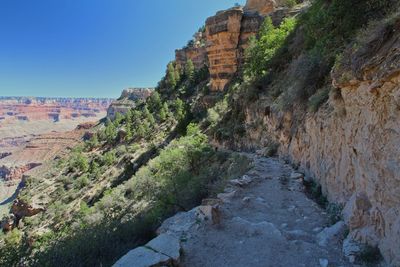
(223, 34)
(263, 7)
(195, 51)
(22, 209)
(128, 100)
(16, 173)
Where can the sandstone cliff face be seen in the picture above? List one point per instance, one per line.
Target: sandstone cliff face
(262, 7)
(351, 146)
(228, 34)
(127, 100)
(195, 51)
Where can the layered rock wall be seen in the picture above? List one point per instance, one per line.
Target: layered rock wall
(195, 51)
(223, 34)
(228, 34)
(262, 7)
(128, 100)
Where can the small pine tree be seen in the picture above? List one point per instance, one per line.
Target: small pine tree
(164, 112)
(171, 76)
(148, 116)
(140, 132)
(129, 116)
(155, 103)
(93, 142)
(110, 131)
(129, 133)
(179, 109)
(189, 70)
(118, 119)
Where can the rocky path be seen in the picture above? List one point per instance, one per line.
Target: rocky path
(267, 222)
(263, 219)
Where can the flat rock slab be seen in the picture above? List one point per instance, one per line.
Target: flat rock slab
(166, 244)
(179, 224)
(142, 257)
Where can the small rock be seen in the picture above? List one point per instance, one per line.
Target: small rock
(296, 176)
(236, 182)
(209, 213)
(308, 179)
(352, 249)
(317, 229)
(323, 262)
(211, 202)
(227, 197)
(332, 233)
(246, 199)
(245, 180)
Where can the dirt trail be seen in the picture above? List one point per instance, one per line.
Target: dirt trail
(268, 222)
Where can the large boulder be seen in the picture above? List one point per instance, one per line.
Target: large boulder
(22, 209)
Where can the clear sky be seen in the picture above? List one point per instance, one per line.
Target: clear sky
(93, 48)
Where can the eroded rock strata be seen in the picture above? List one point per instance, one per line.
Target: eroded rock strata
(127, 100)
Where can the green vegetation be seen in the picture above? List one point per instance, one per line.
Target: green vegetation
(263, 49)
(185, 172)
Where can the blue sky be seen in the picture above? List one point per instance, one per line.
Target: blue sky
(93, 48)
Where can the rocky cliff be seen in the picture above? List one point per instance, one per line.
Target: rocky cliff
(228, 34)
(195, 51)
(351, 145)
(127, 100)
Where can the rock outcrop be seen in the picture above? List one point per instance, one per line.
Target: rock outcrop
(223, 35)
(128, 100)
(228, 34)
(263, 7)
(195, 51)
(16, 173)
(22, 209)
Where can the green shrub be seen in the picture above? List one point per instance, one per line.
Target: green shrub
(82, 182)
(315, 101)
(79, 162)
(263, 49)
(290, 3)
(109, 158)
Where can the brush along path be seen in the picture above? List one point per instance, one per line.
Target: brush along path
(265, 220)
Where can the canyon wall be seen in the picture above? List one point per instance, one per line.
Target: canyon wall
(221, 47)
(127, 101)
(351, 146)
(48, 108)
(195, 51)
(227, 34)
